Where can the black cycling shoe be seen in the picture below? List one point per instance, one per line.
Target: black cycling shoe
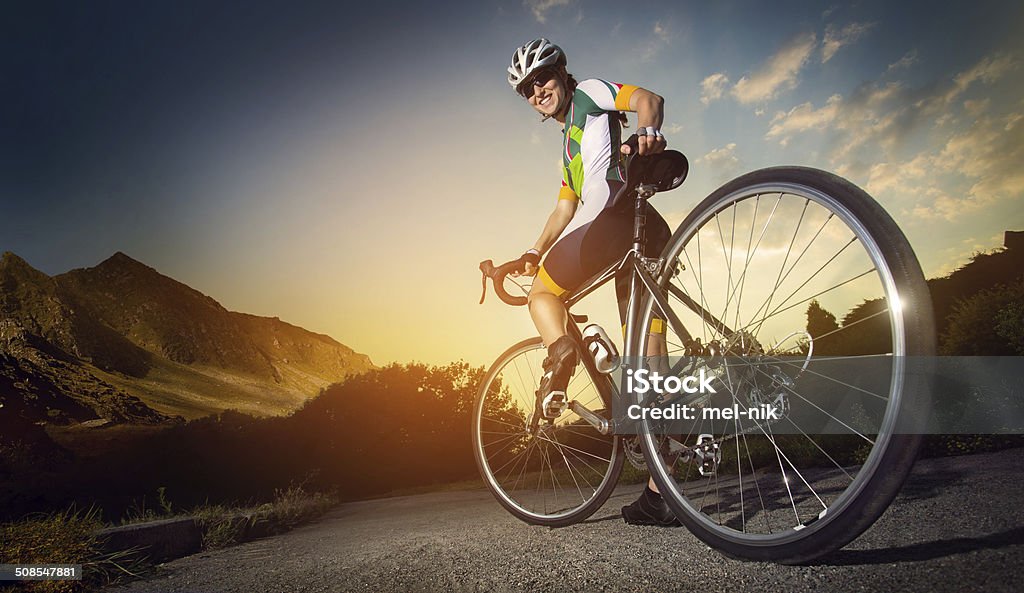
(559, 366)
(649, 509)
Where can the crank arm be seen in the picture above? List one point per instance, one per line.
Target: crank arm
(600, 424)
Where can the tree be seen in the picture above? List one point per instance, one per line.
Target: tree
(823, 328)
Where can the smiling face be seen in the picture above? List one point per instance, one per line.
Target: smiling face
(548, 97)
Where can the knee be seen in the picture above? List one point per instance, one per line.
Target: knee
(542, 301)
(538, 292)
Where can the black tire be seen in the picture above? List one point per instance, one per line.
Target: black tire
(887, 439)
(575, 468)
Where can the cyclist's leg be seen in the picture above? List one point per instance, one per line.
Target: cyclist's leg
(567, 265)
(658, 234)
(649, 508)
(549, 315)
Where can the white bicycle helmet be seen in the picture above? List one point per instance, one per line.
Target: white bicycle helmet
(535, 54)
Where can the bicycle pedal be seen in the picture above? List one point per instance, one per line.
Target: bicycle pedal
(554, 404)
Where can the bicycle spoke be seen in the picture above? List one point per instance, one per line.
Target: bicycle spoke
(583, 461)
(781, 278)
(757, 485)
(577, 450)
(817, 407)
(752, 259)
(552, 472)
(813, 296)
(843, 383)
(568, 466)
(823, 452)
(586, 436)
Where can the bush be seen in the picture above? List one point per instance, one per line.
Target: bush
(65, 537)
(990, 323)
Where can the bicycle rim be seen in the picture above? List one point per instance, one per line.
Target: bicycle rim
(557, 474)
(792, 267)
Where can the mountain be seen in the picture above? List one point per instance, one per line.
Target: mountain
(121, 342)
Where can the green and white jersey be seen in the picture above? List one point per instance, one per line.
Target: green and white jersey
(598, 235)
(590, 154)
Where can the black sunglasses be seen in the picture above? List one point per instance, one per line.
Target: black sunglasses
(539, 79)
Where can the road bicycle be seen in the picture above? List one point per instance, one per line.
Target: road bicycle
(744, 289)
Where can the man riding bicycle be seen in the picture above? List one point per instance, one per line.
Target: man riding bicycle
(588, 230)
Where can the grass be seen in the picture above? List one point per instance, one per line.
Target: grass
(69, 536)
(65, 537)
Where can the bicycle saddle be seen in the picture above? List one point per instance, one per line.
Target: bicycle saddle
(666, 171)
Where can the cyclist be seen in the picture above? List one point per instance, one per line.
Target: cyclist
(587, 230)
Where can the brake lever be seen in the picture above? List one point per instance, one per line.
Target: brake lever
(487, 269)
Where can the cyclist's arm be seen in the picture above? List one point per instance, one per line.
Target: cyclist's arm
(557, 221)
(649, 109)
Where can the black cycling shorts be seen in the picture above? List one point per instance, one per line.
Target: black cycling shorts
(588, 250)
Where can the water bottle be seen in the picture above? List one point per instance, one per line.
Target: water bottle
(601, 347)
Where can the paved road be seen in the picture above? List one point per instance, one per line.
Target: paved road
(957, 526)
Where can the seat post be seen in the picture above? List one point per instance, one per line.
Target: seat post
(635, 285)
(639, 224)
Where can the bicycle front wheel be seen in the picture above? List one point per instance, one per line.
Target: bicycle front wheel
(803, 298)
(545, 473)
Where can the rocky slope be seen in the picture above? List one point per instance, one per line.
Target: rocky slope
(122, 342)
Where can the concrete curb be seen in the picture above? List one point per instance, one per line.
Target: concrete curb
(168, 539)
(159, 540)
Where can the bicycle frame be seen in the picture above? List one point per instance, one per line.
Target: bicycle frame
(643, 277)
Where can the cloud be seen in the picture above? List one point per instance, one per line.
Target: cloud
(990, 156)
(540, 8)
(973, 169)
(673, 128)
(722, 163)
(1011, 121)
(720, 155)
(973, 161)
(779, 73)
(660, 31)
(939, 205)
(906, 177)
(988, 70)
(879, 114)
(712, 87)
(908, 60)
(837, 38)
(875, 114)
(976, 107)
(660, 38)
(804, 117)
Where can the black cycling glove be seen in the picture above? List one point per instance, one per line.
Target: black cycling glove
(531, 257)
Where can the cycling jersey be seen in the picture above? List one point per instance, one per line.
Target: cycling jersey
(598, 235)
(591, 130)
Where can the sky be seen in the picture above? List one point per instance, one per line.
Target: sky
(346, 167)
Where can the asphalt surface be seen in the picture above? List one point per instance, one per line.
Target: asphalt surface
(958, 525)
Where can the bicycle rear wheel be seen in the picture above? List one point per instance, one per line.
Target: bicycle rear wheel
(806, 298)
(556, 474)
